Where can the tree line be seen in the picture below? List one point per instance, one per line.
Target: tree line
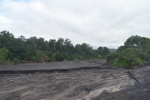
(33, 49)
(134, 52)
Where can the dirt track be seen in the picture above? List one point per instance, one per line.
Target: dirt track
(85, 84)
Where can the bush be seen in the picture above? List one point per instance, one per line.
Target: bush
(5, 62)
(76, 60)
(111, 56)
(126, 58)
(4, 55)
(39, 57)
(65, 60)
(15, 61)
(59, 56)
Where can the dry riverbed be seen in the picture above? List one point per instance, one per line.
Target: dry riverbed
(85, 84)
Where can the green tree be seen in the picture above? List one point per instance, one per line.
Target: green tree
(103, 51)
(7, 40)
(135, 50)
(4, 55)
(39, 57)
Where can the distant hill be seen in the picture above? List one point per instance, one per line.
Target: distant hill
(112, 50)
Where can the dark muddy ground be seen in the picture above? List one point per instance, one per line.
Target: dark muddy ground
(52, 66)
(102, 83)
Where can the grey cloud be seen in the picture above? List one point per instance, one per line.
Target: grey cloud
(96, 22)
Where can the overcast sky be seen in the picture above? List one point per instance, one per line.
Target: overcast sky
(96, 22)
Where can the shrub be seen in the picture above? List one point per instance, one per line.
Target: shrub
(15, 61)
(4, 55)
(39, 57)
(126, 58)
(76, 60)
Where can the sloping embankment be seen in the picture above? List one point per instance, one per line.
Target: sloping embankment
(52, 66)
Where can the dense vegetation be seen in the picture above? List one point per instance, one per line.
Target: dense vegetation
(33, 49)
(135, 52)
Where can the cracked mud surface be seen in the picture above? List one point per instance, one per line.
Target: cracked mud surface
(84, 84)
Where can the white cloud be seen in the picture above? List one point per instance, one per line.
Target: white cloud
(96, 22)
(5, 23)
